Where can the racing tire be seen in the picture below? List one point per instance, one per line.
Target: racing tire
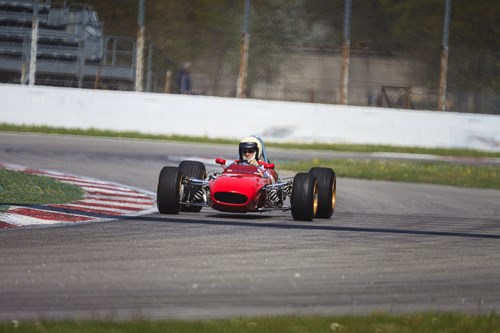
(168, 194)
(327, 191)
(197, 170)
(304, 199)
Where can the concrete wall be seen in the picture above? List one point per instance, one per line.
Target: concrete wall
(233, 118)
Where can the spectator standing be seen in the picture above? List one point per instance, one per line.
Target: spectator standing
(183, 80)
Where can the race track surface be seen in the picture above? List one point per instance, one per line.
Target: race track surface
(389, 247)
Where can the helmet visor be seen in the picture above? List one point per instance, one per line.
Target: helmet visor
(248, 151)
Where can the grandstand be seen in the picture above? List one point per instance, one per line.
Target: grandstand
(71, 47)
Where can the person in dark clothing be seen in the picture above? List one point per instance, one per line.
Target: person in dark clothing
(183, 80)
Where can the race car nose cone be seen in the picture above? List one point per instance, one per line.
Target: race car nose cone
(232, 193)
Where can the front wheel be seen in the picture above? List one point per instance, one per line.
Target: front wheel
(304, 199)
(197, 170)
(327, 191)
(168, 195)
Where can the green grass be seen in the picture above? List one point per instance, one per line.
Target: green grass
(463, 175)
(17, 188)
(376, 323)
(313, 146)
(444, 173)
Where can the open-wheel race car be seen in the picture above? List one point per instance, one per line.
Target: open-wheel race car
(242, 187)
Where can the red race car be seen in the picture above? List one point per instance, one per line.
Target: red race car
(243, 188)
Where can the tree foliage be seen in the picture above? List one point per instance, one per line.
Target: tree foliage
(209, 31)
(473, 49)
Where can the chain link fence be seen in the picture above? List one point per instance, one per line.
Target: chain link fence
(295, 50)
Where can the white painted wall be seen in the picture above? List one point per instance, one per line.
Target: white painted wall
(234, 118)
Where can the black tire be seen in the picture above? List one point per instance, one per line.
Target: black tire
(327, 191)
(192, 169)
(168, 198)
(304, 199)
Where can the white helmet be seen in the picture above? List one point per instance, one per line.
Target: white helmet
(250, 143)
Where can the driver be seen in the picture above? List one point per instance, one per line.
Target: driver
(250, 150)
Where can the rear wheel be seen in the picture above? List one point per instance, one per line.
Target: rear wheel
(168, 195)
(197, 170)
(304, 199)
(327, 191)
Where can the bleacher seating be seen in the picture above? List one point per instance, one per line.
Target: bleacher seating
(71, 48)
(64, 33)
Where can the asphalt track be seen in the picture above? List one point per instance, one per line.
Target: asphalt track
(389, 247)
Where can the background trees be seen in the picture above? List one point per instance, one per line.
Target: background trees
(208, 32)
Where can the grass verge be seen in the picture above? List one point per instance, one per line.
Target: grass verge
(18, 188)
(312, 146)
(463, 175)
(443, 173)
(420, 322)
